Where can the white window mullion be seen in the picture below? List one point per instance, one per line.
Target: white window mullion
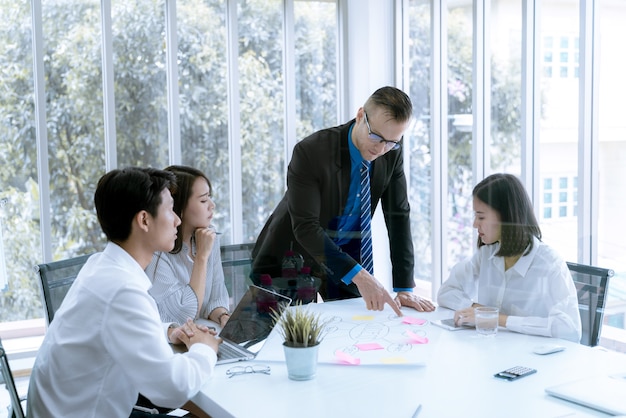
(482, 93)
(289, 71)
(343, 111)
(588, 144)
(403, 67)
(234, 123)
(108, 87)
(439, 142)
(173, 103)
(43, 170)
(401, 38)
(531, 100)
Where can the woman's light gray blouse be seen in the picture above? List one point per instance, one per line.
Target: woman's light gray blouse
(176, 300)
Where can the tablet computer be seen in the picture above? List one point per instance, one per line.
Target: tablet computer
(450, 325)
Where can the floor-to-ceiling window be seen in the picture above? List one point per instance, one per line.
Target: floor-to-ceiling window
(203, 98)
(498, 50)
(19, 194)
(221, 47)
(459, 121)
(245, 66)
(140, 82)
(74, 121)
(315, 47)
(417, 147)
(505, 60)
(612, 155)
(512, 74)
(261, 104)
(557, 160)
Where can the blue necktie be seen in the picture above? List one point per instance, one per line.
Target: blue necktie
(366, 218)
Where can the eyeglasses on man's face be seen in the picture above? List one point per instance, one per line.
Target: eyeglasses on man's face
(389, 145)
(239, 370)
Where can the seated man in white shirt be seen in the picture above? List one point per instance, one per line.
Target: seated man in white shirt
(107, 343)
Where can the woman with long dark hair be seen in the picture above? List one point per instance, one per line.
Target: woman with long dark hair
(513, 269)
(188, 282)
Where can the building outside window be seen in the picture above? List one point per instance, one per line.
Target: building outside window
(560, 56)
(561, 202)
(247, 183)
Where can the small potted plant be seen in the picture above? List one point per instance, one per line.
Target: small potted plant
(302, 331)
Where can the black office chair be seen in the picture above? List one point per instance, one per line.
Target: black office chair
(591, 287)
(237, 264)
(237, 251)
(15, 409)
(56, 278)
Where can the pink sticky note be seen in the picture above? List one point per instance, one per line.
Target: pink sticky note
(416, 339)
(411, 320)
(369, 346)
(345, 358)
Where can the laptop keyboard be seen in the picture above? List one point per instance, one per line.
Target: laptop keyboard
(227, 351)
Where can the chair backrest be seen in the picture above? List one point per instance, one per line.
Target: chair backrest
(56, 278)
(237, 251)
(15, 410)
(591, 287)
(237, 264)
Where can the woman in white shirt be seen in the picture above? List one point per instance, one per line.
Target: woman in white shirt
(512, 269)
(188, 282)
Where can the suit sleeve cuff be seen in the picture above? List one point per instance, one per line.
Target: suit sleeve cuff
(347, 279)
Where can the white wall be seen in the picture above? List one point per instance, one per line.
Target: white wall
(369, 65)
(370, 45)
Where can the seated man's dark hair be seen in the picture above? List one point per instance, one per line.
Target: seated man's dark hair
(122, 193)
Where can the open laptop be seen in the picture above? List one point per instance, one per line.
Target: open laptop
(604, 393)
(249, 325)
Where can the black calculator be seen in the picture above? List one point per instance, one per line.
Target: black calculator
(514, 373)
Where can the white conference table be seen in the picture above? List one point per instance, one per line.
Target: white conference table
(456, 379)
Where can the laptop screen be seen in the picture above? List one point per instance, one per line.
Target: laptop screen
(251, 322)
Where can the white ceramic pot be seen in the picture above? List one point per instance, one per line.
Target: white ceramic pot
(301, 362)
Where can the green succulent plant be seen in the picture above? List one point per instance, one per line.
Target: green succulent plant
(299, 326)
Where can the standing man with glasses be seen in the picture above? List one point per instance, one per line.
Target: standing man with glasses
(335, 180)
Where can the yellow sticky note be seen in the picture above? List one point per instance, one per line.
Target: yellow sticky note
(363, 318)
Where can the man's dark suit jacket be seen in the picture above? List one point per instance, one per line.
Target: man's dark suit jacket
(318, 181)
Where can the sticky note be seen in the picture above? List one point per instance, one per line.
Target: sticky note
(345, 358)
(369, 346)
(416, 339)
(411, 320)
(363, 318)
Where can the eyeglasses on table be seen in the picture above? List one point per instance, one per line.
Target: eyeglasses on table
(239, 370)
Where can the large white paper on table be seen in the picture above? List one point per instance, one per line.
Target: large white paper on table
(356, 336)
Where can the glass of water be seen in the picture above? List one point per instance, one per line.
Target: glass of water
(486, 318)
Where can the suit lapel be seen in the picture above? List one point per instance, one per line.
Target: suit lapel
(378, 167)
(343, 165)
